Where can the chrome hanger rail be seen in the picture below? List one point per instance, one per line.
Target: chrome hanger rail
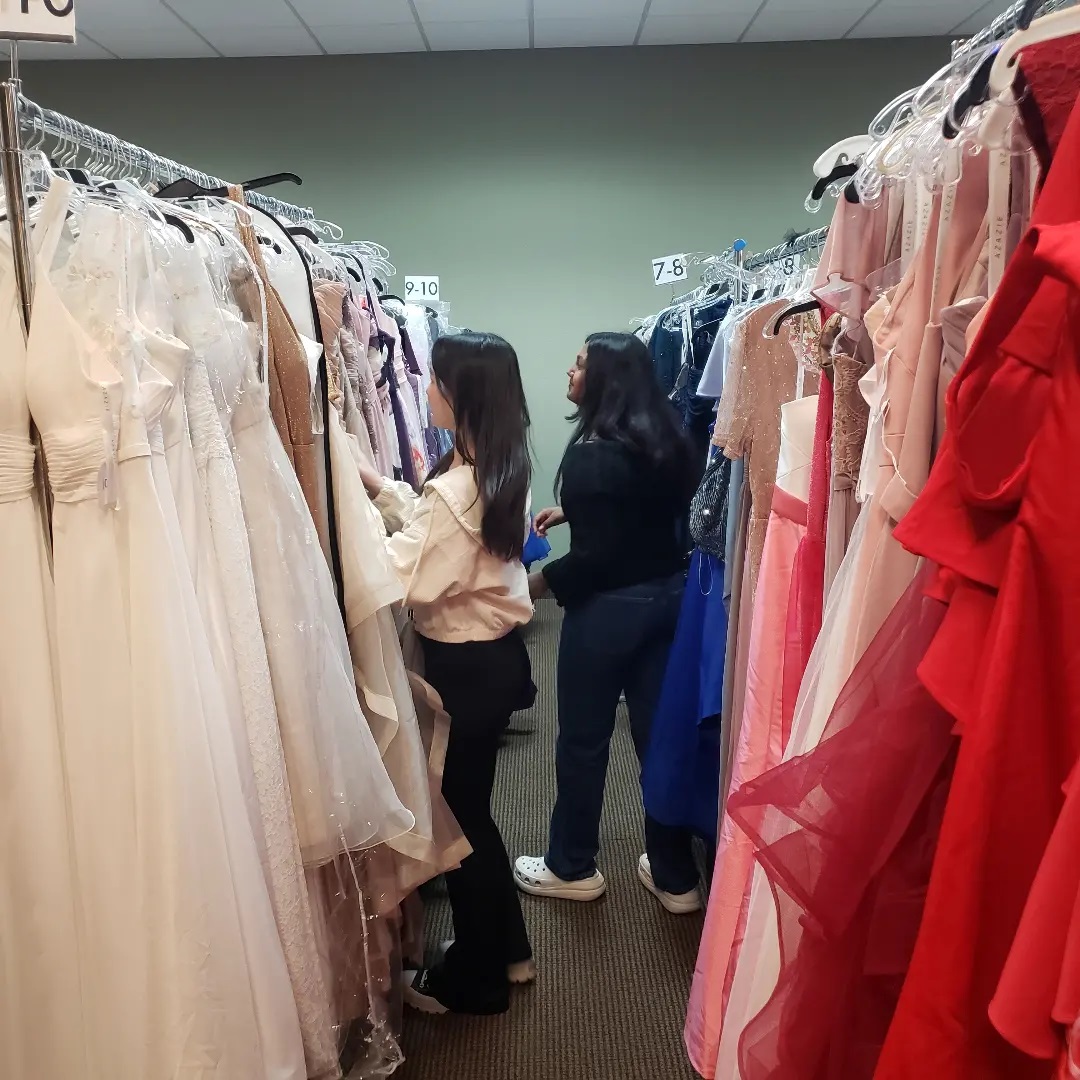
(799, 246)
(36, 122)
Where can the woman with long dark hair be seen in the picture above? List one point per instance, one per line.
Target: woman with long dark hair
(457, 550)
(624, 485)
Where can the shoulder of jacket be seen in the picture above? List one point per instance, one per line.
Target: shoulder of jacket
(458, 491)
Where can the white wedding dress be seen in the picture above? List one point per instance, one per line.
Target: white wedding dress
(183, 970)
(42, 1026)
(213, 332)
(343, 799)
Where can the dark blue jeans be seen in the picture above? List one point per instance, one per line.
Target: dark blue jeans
(617, 642)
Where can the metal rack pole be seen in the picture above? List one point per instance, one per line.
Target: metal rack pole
(797, 246)
(18, 215)
(18, 212)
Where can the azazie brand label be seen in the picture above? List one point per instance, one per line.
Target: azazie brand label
(38, 20)
(669, 270)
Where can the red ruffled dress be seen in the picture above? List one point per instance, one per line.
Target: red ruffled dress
(1001, 516)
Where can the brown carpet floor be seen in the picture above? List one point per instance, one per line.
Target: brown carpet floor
(614, 975)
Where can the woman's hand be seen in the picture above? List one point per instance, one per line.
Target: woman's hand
(371, 477)
(548, 519)
(538, 586)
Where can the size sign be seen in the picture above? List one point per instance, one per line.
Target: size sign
(669, 270)
(422, 288)
(38, 20)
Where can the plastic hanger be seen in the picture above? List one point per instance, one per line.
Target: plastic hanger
(187, 189)
(1060, 24)
(842, 153)
(800, 308)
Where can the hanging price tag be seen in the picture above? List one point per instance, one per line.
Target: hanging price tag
(422, 288)
(669, 270)
(38, 20)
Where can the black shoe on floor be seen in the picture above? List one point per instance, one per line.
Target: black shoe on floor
(429, 991)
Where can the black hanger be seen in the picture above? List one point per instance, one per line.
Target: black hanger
(434, 314)
(78, 176)
(791, 312)
(390, 296)
(188, 189)
(380, 285)
(977, 90)
(840, 172)
(974, 93)
(352, 273)
(267, 241)
(170, 219)
(299, 230)
(182, 225)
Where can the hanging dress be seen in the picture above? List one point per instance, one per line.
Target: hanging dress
(996, 518)
(41, 975)
(164, 866)
(763, 729)
(214, 333)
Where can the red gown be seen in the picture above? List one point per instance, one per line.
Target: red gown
(1000, 515)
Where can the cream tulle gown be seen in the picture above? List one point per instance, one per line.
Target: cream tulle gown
(176, 918)
(42, 1030)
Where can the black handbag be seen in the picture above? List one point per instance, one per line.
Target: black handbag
(709, 507)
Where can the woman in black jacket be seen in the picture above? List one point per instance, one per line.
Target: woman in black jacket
(624, 485)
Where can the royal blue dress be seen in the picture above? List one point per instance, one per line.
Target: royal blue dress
(681, 774)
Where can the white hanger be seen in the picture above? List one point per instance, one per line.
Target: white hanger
(846, 150)
(1049, 28)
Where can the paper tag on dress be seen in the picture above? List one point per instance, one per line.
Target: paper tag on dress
(108, 496)
(106, 485)
(910, 227)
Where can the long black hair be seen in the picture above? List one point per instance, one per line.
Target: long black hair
(479, 376)
(622, 402)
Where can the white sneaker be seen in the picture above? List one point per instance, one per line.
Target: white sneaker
(533, 876)
(520, 974)
(676, 903)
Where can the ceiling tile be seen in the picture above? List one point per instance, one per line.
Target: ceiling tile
(975, 21)
(128, 14)
(791, 20)
(589, 9)
(355, 13)
(132, 38)
(83, 49)
(472, 10)
(399, 37)
(504, 34)
(694, 29)
(264, 41)
(135, 45)
(204, 14)
(919, 18)
(582, 33)
(704, 7)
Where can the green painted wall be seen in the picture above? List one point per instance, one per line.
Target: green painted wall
(537, 185)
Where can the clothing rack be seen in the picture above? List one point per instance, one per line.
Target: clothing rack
(799, 246)
(36, 123)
